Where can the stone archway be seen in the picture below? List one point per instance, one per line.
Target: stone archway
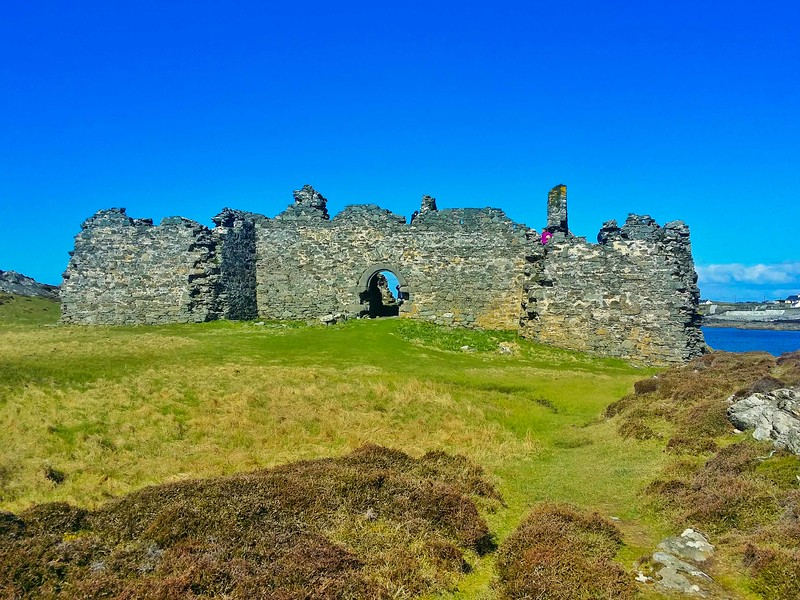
(375, 298)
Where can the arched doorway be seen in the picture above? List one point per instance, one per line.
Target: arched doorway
(382, 291)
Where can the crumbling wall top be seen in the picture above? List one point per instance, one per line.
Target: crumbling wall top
(470, 219)
(368, 213)
(181, 222)
(116, 217)
(109, 217)
(229, 217)
(643, 227)
(308, 204)
(428, 204)
(557, 210)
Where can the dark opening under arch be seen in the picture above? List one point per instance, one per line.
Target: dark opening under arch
(376, 297)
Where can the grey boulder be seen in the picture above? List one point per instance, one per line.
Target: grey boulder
(773, 415)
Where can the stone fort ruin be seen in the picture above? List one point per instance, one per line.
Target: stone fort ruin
(633, 294)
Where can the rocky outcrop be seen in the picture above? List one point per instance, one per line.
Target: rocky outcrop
(12, 282)
(772, 415)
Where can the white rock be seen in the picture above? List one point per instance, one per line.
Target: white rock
(773, 416)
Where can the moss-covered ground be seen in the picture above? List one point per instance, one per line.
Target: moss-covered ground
(88, 414)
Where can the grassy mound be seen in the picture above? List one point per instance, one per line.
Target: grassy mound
(740, 490)
(373, 524)
(24, 310)
(561, 553)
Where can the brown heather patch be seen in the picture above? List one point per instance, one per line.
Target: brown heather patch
(772, 556)
(746, 497)
(637, 429)
(760, 386)
(713, 375)
(692, 397)
(745, 494)
(373, 524)
(728, 493)
(561, 553)
(775, 572)
(788, 367)
(645, 386)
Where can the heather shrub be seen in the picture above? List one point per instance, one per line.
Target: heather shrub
(620, 406)
(788, 367)
(745, 494)
(645, 386)
(561, 553)
(11, 526)
(731, 491)
(682, 444)
(775, 571)
(706, 418)
(765, 384)
(53, 518)
(636, 428)
(373, 524)
(693, 396)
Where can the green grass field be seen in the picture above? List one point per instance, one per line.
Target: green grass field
(115, 409)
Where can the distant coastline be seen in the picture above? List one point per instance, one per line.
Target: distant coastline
(781, 316)
(786, 325)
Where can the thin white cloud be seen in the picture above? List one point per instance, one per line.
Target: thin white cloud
(733, 273)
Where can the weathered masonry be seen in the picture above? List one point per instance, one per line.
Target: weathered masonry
(633, 294)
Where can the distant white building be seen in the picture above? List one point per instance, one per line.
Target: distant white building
(793, 301)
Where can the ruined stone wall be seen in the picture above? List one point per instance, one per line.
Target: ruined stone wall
(632, 295)
(126, 271)
(459, 266)
(471, 264)
(235, 232)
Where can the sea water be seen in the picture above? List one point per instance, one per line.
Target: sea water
(748, 340)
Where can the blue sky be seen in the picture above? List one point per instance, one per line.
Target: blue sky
(676, 109)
